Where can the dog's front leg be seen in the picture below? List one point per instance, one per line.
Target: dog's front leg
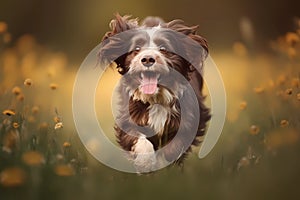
(144, 158)
(133, 138)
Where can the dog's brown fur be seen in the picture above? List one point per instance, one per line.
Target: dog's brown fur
(139, 104)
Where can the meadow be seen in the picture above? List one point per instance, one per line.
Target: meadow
(257, 156)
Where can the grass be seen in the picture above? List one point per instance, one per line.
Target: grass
(41, 156)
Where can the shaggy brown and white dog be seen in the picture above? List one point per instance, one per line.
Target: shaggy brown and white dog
(149, 56)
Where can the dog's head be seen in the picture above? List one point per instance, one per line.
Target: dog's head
(145, 53)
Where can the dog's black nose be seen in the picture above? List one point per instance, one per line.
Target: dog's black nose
(148, 61)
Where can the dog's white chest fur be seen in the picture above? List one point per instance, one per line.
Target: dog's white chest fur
(158, 116)
(145, 157)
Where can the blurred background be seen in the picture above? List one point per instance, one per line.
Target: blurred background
(76, 26)
(256, 46)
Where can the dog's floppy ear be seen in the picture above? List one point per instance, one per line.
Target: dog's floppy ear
(191, 46)
(196, 56)
(116, 43)
(120, 24)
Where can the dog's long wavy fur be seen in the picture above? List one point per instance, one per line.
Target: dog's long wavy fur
(139, 105)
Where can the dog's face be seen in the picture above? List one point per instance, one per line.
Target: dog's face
(147, 61)
(145, 54)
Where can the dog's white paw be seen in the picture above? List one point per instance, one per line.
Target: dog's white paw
(144, 155)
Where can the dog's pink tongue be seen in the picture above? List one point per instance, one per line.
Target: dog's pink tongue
(149, 85)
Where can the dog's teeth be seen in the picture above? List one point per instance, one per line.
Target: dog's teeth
(142, 75)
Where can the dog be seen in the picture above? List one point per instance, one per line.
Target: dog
(152, 89)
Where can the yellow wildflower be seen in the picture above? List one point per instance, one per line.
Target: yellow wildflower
(12, 177)
(289, 91)
(28, 82)
(16, 90)
(35, 109)
(8, 112)
(243, 105)
(16, 125)
(243, 162)
(33, 158)
(56, 119)
(291, 38)
(10, 140)
(66, 144)
(284, 123)
(254, 130)
(3, 27)
(53, 86)
(64, 170)
(58, 125)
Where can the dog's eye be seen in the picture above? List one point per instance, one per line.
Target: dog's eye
(162, 49)
(137, 48)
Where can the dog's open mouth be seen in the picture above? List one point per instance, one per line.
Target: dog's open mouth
(149, 82)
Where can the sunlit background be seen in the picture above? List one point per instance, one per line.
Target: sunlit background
(255, 44)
